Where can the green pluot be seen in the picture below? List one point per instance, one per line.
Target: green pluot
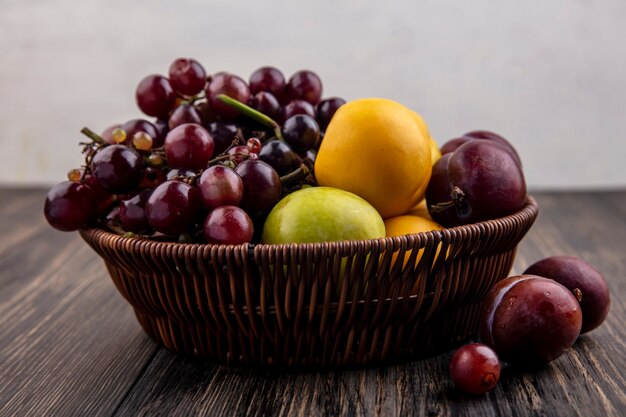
(322, 214)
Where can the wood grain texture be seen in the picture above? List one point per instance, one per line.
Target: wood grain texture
(70, 345)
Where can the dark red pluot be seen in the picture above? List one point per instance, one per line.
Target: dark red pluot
(479, 181)
(531, 320)
(574, 273)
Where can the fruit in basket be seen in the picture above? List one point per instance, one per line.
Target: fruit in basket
(117, 168)
(528, 319)
(453, 144)
(173, 207)
(228, 225)
(69, 206)
(479, 181)
(189, 146)
(262, 187)
(409, 224)
(374, 148)
(475, 368)
(322, 214)
(577, 275)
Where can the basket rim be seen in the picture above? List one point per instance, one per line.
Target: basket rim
(529, 210)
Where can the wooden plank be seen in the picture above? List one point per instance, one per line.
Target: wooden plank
(587, 381)
(69, 345)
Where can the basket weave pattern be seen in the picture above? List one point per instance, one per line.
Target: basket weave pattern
(328, 304)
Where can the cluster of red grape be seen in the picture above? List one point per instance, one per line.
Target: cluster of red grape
(220, 154)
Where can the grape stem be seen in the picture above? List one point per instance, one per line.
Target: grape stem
(295, 175)
(223, 157)
(252, 113)
(93, 136)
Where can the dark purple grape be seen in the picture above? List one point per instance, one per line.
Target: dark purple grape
(230, 85)
(132, 212)
(69, 206)
(305, 85)
(189, 146)
(475, 368)
(117, 168)
(185, 113)
(267, 79)
(267, 104)
(301, 132)
(326, 109)
(187, 76)
(261, 185)
(479, 181)
(173, 207)
(574, 273)
(155, 96)
(298, 106)
(220, 186)
(280, 156)
(107, 134)
(228, 225)
(530, 320)
(223, 135)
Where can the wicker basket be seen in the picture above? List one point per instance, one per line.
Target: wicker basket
(325, 304)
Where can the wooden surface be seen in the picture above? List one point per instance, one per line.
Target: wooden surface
(70, 345)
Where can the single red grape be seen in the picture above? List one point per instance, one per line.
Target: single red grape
(268, 79)
(228, 225)
(280, 156)
(267, 104)
(230, 85)
(187, 76)
(189, 146)
(185, 113)
(475, 368)
(155, 96)
(305, 85)
(298, 106)
(261, 186)
(117, 168)
(325, 110)
(69, 206)
(220, 186)
(173, 207)
(301, 132)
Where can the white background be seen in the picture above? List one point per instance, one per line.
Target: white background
(548, 75)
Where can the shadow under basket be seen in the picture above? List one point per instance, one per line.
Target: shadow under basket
(322, 304)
